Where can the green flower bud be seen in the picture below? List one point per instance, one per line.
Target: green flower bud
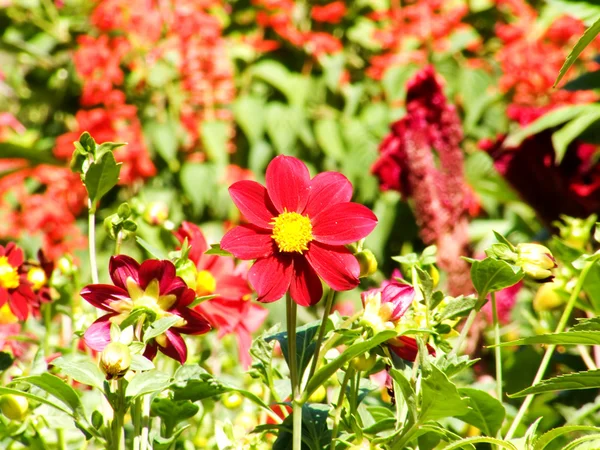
(115, 360)
(14, 407)
(547, 298)
(536, 261)
(368, 263)
(364, 362)
(156, 213)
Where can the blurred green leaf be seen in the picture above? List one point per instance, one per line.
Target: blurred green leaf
(163, 137)
(215, 137)
(172, 412)
(81, 370)
(58, 388)
(282, 128)
(542, 442)
(583, 42)
(571, 131)
(248, 111)
(329, 139)
(565, 338)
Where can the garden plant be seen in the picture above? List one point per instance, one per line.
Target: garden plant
(299, 225)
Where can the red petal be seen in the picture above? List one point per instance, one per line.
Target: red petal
(122, 267)
(97, 335)
(305, 288)
(14, 255)
(196, 323)
(175, 348)
(253, 201)
(244, 340)
(271, 277)
(288, 182)
(343, 223)
(195, 239)
(164, 272)
(337, 266)
(248, 242)
(102, 295)
(255, 316)
(3, 296)
(18, 305)
(326, 189)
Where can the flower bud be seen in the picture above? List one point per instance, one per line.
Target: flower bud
(115, 360)
(364, 362)
(319, 395)
(232, 400)
(536, 261)
(156, 213)
(368, 263)
(14, 407)
(37, 277)
(547, 298)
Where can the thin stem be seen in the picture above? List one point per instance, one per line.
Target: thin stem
(296, 405)
(338, 407)
(92, 241)
(326, 312)
(464, 332)
(497, 349)
(587, 359)
(145, 421)
(60, 439)
(118, 432)
(118, 242)
(550, 349)
(136, 417)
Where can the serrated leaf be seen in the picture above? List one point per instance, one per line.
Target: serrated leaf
(572, 381)
(101, 177)
(583, 42)
(591, 324)
(160, 326)
(542, 442)
(491, 275)
(81, 370)
(565, 338)
(571, 131)
(147, 383)
(440, 397)
(215, 249)
(485, 412)
(458, 307)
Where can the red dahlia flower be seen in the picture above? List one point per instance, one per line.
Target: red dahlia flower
(231, 311)
(152, 287)
(297, 232)
(14, 287)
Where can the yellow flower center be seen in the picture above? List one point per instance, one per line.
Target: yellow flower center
(37, 277)
(9, 277)
(292, 232)
(6, 315)
(205, 283)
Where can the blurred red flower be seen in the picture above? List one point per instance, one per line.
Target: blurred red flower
(331, 13)
(14, 287)
(297, 232)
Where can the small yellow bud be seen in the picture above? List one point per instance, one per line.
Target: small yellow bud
(14, 407)
(546, 297)
(156, 213)
(368, 263)
(319, 395)
(232, 400)
(115, 360)
(536, 261)
(364, 362)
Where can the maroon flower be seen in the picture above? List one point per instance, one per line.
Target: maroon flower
(14, 287)
(152, 287)
(297, 232)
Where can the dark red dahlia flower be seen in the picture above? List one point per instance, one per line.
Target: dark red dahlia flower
(297, 232)
(153, 288)
(14, 287)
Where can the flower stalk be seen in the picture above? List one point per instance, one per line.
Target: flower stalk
(326, 312)
(291, 308)
(92, 241)
(497, 349)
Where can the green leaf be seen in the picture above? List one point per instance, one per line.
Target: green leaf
(172, 412)
(57, 388)
(327, 132)
(37, 398)
(485, 412)
(358, 348)
(542, 442)
(305, 345)
(106, 147)
(571, 131)
(591, 324)
(215, 249)
(479, 440)
(440, 397)
(572, 381)
(408, 393)
(565, 338)
(87, 142)
(147, 383)
(584, 82)
(583, 42)
(81, 370)
(282, 127)
(199, 182)
(491, 275)
(151, 249)
(550, 120)
(248, 111)
(163, 138)
(101, 177)
(315, 433)
(215, 137)
(159, 327)
(458, 307)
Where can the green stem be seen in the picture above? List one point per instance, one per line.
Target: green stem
(136, 417)
(60, 439)
(338, 407)
(326, 312)
(119, 410)
(497, 349)
(118, 242)
(146, 422)
(92, 241)
(464, 332)
(296, 405)
(47, 313)
(550, 349)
